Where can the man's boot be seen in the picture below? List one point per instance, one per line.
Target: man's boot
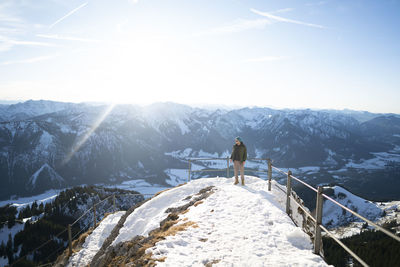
(236, 181)
(242, 181)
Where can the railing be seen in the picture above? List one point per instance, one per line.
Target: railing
(317, 219)
(227, 169)
(69, 227)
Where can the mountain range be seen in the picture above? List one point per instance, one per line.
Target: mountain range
(46, 144)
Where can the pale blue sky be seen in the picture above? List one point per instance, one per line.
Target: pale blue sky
(288, 54)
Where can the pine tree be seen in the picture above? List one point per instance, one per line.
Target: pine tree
(47, 208)
(34, 209)
(9, 249)
(2, 249)
(41, 208)
(11, 221)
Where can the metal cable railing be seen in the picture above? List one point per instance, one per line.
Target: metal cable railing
(317, 218)
(297, 179)
(380, 228)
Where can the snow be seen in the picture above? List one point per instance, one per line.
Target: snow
(260, 152)
(237, 226)
(140, 186)
(3, 261)
(396, 149)
(179, 176)
(5, 231)
(332, 214)
(140, 164)
(44, 198)
(203, 154)
(189, 152)
(95, 240)
(160, 113)
(391, 209)
(380, 161)
(182, 126)
(180, 154)
(46, 139)
(54, 175)
(176, 176)
(309, 169)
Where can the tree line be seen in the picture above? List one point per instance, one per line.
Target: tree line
(373, 247)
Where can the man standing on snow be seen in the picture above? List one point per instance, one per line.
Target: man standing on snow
(239, 156)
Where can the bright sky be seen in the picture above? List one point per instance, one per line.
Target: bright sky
(292, 54)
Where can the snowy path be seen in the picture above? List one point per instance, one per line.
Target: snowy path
(95, 240)
(238, 226)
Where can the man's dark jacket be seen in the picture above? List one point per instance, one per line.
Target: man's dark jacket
(239, 152)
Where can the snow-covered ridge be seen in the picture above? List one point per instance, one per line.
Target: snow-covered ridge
(333, 215)
(234, 226)
(31, 108)
(50, 174)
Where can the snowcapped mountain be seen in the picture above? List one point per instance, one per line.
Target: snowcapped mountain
(29, 109)
(86, 144)
(201, 223)
(334, 216)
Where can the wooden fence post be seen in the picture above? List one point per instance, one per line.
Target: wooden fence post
(318, 218)
(227, 167)
(288, 192)
(190, 166)
(269, 174)
(69, 239)
(94, 215)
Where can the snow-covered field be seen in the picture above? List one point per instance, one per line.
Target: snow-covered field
(237, 226)
(47, 196)
(380, 161)
(140, 186)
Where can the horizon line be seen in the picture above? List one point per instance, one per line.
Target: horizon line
(194, 105)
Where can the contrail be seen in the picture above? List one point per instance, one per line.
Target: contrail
(270, 16)
(67, 15)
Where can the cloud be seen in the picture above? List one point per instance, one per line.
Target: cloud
(14, 28)
(320, 3)
(6, 43)
(267, 58)
(28, 61)
(283, 10)
(67, 38)
(30, 43)
(67, 15)
(238, 26)
(9, 23)
(281, 19)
